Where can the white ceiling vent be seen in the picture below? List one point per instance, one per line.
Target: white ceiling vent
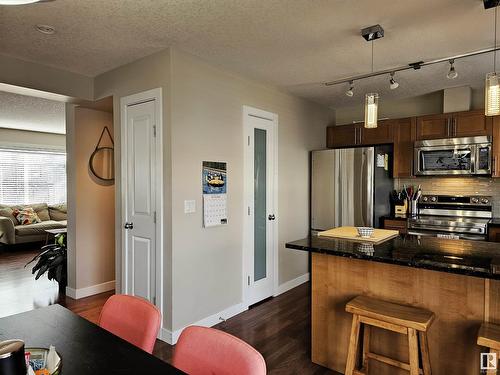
(457, 99)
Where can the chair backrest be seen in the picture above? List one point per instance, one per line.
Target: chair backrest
(133, 319)
(203, 351)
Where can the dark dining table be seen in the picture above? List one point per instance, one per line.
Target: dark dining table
(84, 347)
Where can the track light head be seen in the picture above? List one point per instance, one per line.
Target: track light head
(452, 73)
(350, 92)
(392, 82)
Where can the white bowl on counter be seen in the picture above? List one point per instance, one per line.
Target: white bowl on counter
(365, 232)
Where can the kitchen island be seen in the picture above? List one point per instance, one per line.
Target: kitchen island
(457, 280)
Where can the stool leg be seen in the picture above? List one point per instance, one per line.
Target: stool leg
(424, 349)
(413, 348)
(353, 346)
(366, 346)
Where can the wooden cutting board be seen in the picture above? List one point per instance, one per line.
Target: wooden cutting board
(351, 233)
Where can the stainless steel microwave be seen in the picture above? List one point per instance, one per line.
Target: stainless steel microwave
(453, 156)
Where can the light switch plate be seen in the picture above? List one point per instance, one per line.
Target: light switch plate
(189, 206)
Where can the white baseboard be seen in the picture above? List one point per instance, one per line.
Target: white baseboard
(172, 337)
(90, 290)
(285, 287)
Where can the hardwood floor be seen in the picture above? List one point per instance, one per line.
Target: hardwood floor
(279, 328)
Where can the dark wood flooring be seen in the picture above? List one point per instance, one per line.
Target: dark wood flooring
(279, 328)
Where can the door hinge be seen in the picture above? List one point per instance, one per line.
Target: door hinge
(154, 131)
(249, 140)
(249, 280)
(154, 217)
(248, 210)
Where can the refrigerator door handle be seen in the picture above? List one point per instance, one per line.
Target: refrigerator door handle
(367, 186)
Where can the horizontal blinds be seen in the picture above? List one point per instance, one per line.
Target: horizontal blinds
(32, 176)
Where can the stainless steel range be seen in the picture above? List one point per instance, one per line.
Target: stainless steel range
(451, 216)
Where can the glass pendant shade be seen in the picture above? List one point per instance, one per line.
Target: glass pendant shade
(17, 2)
(492, 95)
(371, 110)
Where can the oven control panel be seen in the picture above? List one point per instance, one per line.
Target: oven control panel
(456, 200)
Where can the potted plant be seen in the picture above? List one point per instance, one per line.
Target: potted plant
(53, 260)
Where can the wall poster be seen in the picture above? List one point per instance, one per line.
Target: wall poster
(214, 181)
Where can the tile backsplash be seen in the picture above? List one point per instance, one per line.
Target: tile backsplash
(457, 186)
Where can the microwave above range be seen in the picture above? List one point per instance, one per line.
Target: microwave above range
(469, 156)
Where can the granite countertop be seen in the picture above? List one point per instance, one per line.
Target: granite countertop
(473, 258)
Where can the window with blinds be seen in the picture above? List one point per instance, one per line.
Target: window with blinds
(32, 176)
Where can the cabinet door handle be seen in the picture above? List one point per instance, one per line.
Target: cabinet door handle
(494, 166)
(454, 127)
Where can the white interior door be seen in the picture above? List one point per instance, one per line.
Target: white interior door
(140, 228)
(261, 223)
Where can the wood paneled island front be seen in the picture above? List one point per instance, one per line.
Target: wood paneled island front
(457, 280)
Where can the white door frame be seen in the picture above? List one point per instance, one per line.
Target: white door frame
(146, 96)
(248, 181)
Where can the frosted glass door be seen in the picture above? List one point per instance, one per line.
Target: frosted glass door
(260, 203)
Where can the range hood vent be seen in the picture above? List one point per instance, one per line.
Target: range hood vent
(457, 99)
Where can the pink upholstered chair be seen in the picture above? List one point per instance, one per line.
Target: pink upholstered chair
(208, 351)
(133, 319)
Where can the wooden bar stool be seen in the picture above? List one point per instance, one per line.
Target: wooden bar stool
(407, 320)
(489, 336)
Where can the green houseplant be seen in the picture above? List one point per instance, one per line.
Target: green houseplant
(53, 260)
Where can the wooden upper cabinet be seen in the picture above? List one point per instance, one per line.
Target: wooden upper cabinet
(450, 125)
(433, 127)
(342, 136)
(495, 152)
(471, 124)
(357, 135)
(404, 134)
(382, 134)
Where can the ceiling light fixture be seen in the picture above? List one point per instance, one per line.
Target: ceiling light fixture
(452, 73)
(350, 92)
(491, 87)
(371, 99)
(392, 82)
(18, 2)
(46, 29)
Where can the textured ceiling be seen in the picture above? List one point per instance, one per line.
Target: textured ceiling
(30, 113)
(288, 43)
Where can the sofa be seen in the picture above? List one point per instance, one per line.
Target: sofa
(13, 232)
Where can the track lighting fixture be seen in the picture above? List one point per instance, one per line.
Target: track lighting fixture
(452, 73)
(392, 82)
(350, 92)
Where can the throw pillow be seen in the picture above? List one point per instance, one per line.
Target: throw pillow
(8, 212)
(26, 216)
(58, 212)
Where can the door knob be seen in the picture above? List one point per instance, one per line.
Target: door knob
(271, 217)
(129, 225)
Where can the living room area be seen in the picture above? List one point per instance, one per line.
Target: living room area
(52, 152)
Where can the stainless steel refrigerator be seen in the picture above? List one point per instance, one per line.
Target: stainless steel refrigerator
(347, 187)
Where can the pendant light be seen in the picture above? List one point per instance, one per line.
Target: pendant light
(491, 87)
(371, 106)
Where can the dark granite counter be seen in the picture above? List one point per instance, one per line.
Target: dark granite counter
(473, 258)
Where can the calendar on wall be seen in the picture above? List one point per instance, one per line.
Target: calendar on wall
(214, 176)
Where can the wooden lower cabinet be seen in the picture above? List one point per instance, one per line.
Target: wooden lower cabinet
(494, 234)
(400, 225)
(461, 303)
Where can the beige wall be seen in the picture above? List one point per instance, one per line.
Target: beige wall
(207, 125)
(416, 106)
(15, 137)
(145, 74)
(22, 73)
(91, 220)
